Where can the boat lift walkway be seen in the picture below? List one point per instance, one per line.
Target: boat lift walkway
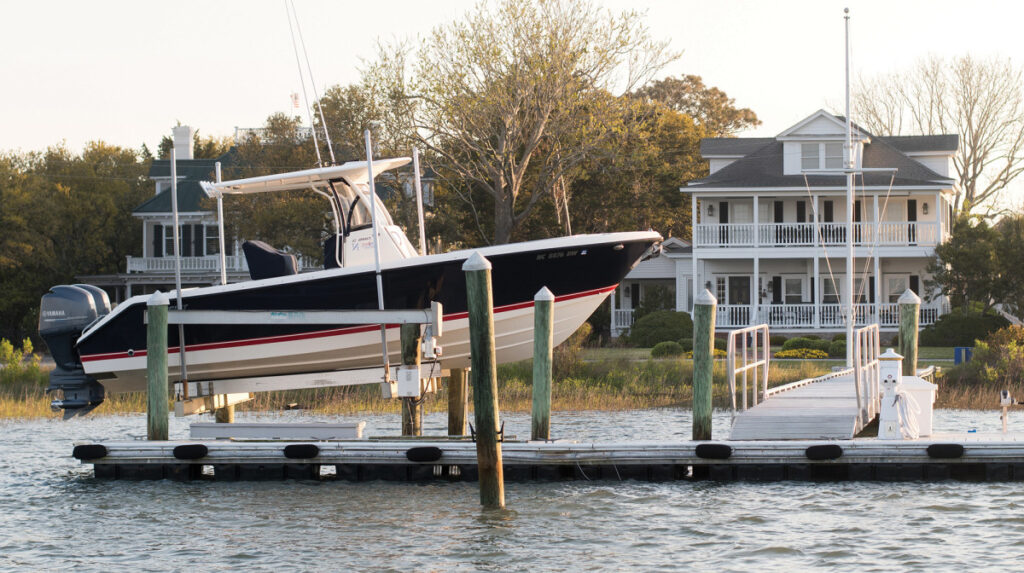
(836, 406)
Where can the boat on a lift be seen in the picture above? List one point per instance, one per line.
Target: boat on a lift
(98, 349)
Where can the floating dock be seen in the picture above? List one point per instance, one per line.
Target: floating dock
(975, 457)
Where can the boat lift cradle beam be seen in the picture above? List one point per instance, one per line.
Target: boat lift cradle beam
(206, 395)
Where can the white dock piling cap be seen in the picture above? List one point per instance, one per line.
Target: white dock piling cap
(476, 262)
(706, 298)
(891, 354)
(544, 295)
(158, 299)
(908, 297)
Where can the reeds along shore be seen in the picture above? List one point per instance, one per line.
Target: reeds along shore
(616, 384)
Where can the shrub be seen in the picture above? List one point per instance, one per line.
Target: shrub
(718, 353)
(20, 365)
(838, 348)
(567, 356)
(959, 329)
(997, 361)
(660, 326)
(840, 336)
(721, 344)
(686, 343)
(777, 340)
(809, 343)
(667, 348)
(801, 353)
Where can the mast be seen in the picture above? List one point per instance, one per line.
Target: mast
(850, 165)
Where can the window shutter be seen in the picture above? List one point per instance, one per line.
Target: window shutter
(158, 240)
(776, 290)
(915, 284)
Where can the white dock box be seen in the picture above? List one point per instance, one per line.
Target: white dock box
(924, 394)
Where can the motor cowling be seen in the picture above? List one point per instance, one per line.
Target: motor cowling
(64, 313)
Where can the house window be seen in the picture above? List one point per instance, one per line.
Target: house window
(829, 294)
(169, 241)
(822, 155)
(809, 156)
(212, 240)
(833, 156)
(897, 285)
(720, 288)
(794, 290)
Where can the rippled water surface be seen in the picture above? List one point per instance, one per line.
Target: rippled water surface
(54, 515)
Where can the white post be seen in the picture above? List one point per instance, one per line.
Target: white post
(693, 250)
(220, 224)
(611, 322)
(376, 251)
(849, 206)
(419, 200)
(757, 265)
(890, 371)
(816, 293)
(177, 268)
(878, 276)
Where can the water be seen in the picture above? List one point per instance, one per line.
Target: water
(54, 516)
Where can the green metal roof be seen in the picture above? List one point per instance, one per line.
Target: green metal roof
(189, 195)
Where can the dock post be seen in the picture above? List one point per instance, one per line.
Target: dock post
(484, 376)
(543, 337)
(156, 367)
(412, 408)
(910, 308)
(703, 361)
(457, 398)
(225, 415)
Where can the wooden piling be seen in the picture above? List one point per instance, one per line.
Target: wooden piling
(457, 402)
(225, 415)
(543, 326)
(156, 367)
(910, 308)
(412, 408)
(703, 362)
(485, 380)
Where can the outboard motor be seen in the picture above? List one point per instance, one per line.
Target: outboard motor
(64, 313)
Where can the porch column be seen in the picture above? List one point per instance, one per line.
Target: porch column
(697, 280)
(878, 276)
(938, 217)
(756, 299)
(816, 294)
(611, 324)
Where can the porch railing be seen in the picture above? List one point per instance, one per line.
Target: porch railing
(207, 264)
(824, 315)
(889, 234)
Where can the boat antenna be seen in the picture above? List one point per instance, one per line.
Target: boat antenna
(316, 94)
(177, 271)
(419, 199)
(302, 81)
(850, 164)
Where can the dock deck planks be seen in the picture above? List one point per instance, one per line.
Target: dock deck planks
(825, 410)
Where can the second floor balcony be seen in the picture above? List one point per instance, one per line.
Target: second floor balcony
(202, 265)
(885, 234)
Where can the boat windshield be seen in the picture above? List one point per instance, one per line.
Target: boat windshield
(355, 206)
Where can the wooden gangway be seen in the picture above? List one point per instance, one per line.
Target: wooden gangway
(836, 406)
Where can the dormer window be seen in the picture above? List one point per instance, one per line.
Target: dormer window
(821, 155)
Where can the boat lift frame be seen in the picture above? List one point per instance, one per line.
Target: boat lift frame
(203, 396)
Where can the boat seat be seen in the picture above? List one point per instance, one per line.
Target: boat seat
(330, 246)
(267, 262)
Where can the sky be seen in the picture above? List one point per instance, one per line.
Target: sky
(125, 72)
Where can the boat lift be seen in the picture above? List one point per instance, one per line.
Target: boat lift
(397, 382)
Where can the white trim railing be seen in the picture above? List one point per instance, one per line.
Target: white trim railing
(752, 347)
(828, 315)
(622, 319)
(205, 264)
(889, 234)
(866, 371)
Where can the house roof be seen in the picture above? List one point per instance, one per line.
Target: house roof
(188, 168)
(761, 163)
(189, 195)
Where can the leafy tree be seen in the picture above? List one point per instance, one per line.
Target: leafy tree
(709, 107)
(981, 100)
(966, 268)
(515, 98)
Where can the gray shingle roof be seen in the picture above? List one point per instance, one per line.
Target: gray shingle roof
(763, 168)
(732, 145)
(189, 196)
(912, 143)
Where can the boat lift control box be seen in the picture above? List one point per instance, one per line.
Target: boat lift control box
(408, 382)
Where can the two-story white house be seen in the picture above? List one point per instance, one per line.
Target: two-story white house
(769, 233)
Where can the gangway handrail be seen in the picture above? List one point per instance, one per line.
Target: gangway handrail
(754, 349)
(866, 376)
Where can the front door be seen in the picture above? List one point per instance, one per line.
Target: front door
(723, 221)
(739, 290)
(912, 220)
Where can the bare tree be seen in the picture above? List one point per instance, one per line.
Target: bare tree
(981, 100)
(516, 96)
